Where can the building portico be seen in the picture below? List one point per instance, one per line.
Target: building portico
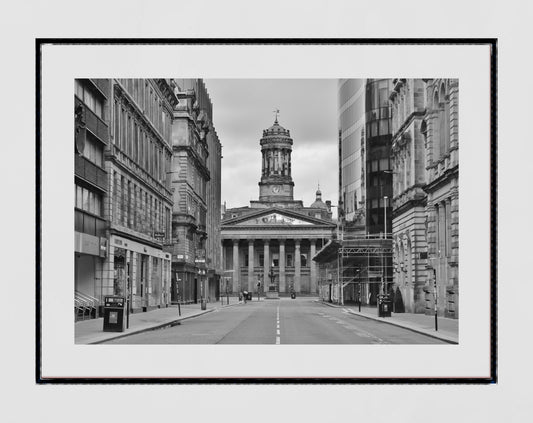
(251, 260)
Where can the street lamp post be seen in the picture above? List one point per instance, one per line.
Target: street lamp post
(227, 278)
(259, 286)
(431, 265)
(435, 296)
(385, 198)
(272, 277)
(340, 239)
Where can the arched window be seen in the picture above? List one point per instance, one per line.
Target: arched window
(446, 117)
(443, 138)
(424, 132)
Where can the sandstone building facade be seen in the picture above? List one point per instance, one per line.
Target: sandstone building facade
(425, 215)
(195, 182)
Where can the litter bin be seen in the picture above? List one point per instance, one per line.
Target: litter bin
(203, 304)
(384, 306)
(248, 296)
(293, 295)
(114, 314)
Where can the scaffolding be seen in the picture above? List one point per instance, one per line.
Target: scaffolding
(355, 269)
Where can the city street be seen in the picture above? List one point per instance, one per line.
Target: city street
(298, 321)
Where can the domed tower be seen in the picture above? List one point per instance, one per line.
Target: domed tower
(320, 209)
(276, 180)
(318, 204)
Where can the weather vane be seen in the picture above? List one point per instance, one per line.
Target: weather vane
(276, 112)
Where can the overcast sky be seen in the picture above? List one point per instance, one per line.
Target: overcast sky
(243, 108)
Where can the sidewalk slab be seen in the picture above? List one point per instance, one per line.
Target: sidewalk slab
(420, 323)
(91, 331)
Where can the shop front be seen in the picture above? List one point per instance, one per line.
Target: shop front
(139, 272)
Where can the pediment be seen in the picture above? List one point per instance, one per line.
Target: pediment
(277, 217)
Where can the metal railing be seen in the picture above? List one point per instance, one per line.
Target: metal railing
(85, 306)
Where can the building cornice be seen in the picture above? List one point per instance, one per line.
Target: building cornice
(167, 92)
(199, 164)
(409, 204)
(442, 179)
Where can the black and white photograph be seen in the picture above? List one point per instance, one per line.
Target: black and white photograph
(266, 211)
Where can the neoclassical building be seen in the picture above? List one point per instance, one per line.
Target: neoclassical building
(276, 232)
(425, 199)
(409, 199)
(440, 130)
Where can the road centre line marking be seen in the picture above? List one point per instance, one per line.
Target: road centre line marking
(278, 332)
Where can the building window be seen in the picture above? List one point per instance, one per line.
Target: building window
(88, 200)
(91, 98)
(116, 134)
(303, 260)
(93, 150)
(122, 201)
(448, 229)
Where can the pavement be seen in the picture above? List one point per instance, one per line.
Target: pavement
(448, 329)
(91, 331)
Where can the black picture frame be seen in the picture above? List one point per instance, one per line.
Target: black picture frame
(492, 42)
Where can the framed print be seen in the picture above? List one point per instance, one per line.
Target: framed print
(266, 211)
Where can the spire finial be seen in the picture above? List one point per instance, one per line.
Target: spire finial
(277, 113)
(318, 193)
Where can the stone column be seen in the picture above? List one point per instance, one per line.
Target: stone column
(282, 282)
(312, 264)
(265, 163)
(266, 265)
(236, 270)
(250, 265)
(297, 266)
